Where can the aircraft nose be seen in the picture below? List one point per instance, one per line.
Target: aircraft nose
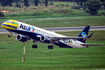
(7, 25)
(2, 25)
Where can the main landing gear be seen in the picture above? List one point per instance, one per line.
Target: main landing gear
(34, 46)
(50, 47)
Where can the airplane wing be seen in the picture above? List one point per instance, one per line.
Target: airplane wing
(92, 44)
(60, 38)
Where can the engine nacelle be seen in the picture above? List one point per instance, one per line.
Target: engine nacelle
(22, 38)
(45, 39)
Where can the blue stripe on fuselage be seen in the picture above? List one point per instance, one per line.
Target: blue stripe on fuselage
(9, 26)
(31, 35)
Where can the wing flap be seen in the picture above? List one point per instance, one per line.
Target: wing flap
(60, 38)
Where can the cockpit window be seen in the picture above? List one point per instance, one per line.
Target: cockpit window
(10, 22)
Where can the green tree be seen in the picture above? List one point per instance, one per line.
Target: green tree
(103, 3)
(26, 3)
(92, 6)
(3, 3)
(36, 2)
(46, 2)
(18, 4)
(2, 14)
(79, 2)
(6, 2)
(102, 0)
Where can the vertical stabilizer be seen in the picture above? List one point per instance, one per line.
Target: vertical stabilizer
(84, 33)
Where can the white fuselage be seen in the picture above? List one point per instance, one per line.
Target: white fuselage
(34, 33)
(34, 29)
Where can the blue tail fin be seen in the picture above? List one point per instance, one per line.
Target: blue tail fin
(84, 33)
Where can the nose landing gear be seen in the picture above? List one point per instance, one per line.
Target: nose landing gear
(9, 33)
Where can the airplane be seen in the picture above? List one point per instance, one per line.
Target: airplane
(28, 32)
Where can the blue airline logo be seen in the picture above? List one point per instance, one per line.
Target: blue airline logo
(25, 27)
(84, 34)
(28, 28)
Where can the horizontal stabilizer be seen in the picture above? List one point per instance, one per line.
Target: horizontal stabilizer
(90, 35)
(92, 44)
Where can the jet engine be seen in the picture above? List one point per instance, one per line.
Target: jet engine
(22, 38)
(45, 39)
